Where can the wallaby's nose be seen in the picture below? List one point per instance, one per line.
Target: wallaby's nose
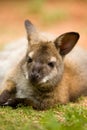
(36, 73)
(34, 76)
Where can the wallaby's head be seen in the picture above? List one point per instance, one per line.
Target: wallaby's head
(44, 59)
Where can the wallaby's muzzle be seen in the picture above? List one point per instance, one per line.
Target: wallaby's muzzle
(36, 73)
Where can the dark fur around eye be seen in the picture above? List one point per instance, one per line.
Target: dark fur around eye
(29, 60)
(51, 64)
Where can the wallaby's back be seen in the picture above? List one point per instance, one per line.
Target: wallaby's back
(75, 67)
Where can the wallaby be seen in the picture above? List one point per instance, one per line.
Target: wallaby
(45, 76)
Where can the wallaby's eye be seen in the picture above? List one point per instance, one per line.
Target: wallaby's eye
(29, 57)
(51, 64)
(29, 60)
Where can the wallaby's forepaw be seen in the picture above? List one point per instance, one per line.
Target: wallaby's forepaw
(4, 96)
(11, 102)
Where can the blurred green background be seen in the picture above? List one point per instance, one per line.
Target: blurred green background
(55, 16)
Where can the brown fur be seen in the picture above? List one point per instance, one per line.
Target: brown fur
(45, 77)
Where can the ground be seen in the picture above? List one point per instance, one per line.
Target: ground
(57, 17)
(67, 117)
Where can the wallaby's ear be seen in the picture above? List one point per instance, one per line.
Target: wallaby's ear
(66, 42)
(31, 31)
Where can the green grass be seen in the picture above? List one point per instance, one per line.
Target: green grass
(36, 7)
(53, 16)
(68, 117)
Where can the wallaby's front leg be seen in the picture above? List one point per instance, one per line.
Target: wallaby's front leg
(7, 92)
